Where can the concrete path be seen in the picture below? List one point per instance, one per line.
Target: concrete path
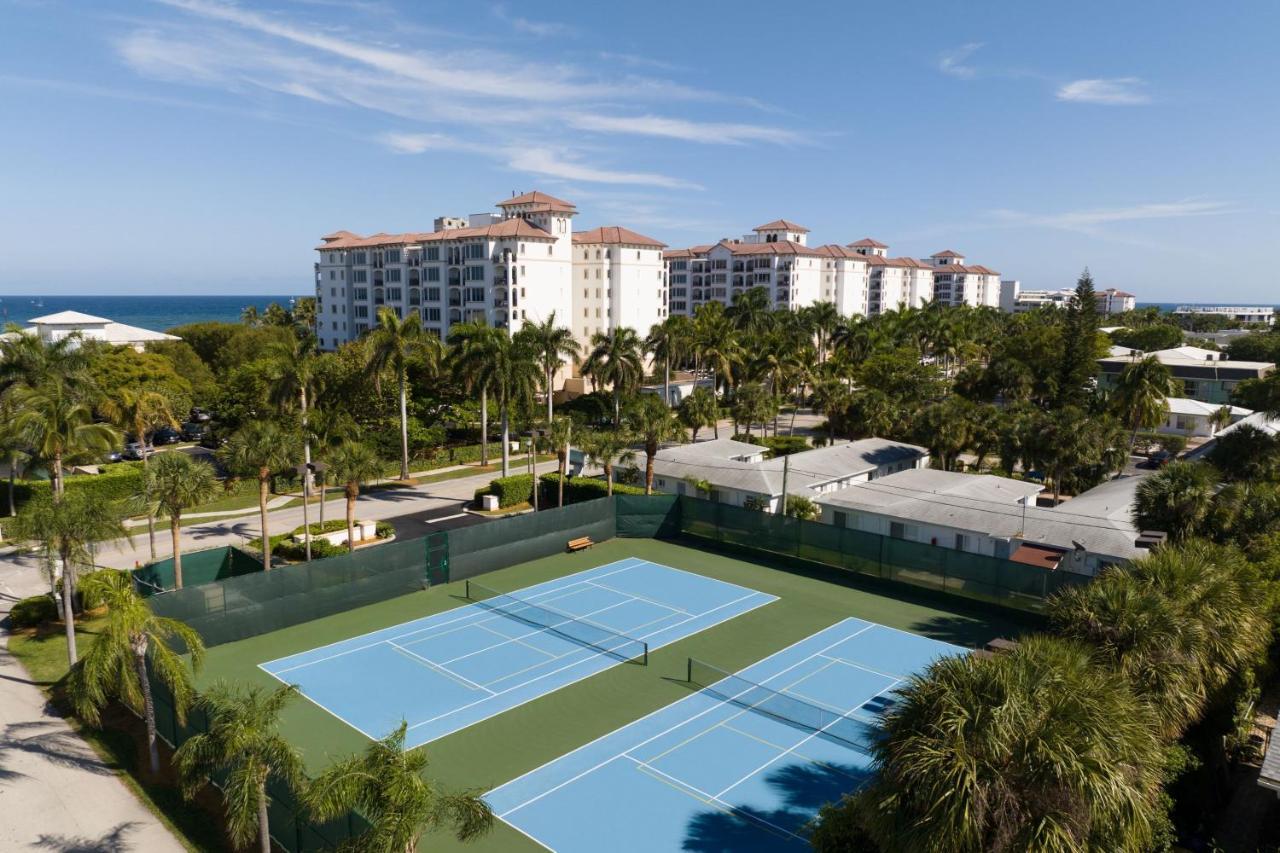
(55, 792)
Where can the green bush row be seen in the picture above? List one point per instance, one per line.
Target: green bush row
(513, 490)
(578, 489)
(117, 482)
(33, 611)
(778, 445)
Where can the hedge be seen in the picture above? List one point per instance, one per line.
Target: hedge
(513, 490)
(34, 611)
(778, 445)
(117, 482)
(577, 489)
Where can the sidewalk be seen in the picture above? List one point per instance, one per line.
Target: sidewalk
(55, 792)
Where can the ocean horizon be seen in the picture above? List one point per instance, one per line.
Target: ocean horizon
(158, 313)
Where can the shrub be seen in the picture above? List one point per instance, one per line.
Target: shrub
(785, 445)
(481, 492)
(32, 612)
(578, 489)
(117, 482)
(513, 490)
(384, 530)
(330, 526)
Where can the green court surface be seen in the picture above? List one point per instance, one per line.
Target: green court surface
(496, 750)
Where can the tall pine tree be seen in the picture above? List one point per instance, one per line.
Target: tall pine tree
(1080, 344)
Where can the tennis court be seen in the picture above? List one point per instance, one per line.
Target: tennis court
(447, 671)
(742, 764)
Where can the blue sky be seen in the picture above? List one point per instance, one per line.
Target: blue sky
(204, 145)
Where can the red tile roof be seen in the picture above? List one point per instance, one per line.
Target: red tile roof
(544, 201)
(963, 269)
(868, 243)
(946, 253)
(612, 234)
(831, 250)
(514, 227)
(781, 225)
(777, 247)
(880, 261)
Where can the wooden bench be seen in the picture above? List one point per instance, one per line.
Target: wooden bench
(1000, 644)
(580, 544)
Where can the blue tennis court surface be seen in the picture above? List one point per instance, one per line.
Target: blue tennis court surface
(450, 670)
(708, 774)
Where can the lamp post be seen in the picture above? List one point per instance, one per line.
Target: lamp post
(305, 471)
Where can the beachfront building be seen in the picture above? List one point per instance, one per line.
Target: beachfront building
(521, 265)
(1197, 419)
(894, 282)
(1205, 375)
(1259, 314)
(1015, 300)
(64, 324)
(957, 283)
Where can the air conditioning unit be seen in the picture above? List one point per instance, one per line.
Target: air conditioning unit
(1149, 539)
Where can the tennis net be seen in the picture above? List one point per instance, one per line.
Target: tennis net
(824, 721)
(573, 628)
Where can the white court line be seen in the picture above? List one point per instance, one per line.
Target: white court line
(519, 640)
(322, 707)
(669, 729)
(593, 657)
(709, 799)
(462, 607)
(435, 667)
(445, 518)
(864, 668)
(641, 598)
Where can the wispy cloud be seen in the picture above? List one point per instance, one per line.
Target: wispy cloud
(544, 161)
(417, 143)
(1093, 217)
(632, 60)
(689, 131)
(1112, 92)
(541, 29)
(954, 61)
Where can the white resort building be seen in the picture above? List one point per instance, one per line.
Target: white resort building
(1015, 300)
(54, 327)
(520, 265)
(1259, 314)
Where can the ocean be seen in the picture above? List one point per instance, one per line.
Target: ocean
(157, 313)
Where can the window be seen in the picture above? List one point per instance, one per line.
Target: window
(393, 256)
(360, 276)
(394, 294)
(432, 294)
(360, 258)
(393, 275)
(962, 542)
(431, 315)
(473, 251)
(433, 253)
(362, 293)
(433, 273)
(474, 273)
(362, 310)
(840, 519)
(549, 250)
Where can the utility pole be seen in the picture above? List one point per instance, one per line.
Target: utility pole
(786, 465)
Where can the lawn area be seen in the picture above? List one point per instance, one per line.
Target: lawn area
(44, 655)
(502, 747)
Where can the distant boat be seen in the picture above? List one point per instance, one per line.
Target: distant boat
(39, 303)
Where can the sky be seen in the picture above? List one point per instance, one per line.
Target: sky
(204, 146)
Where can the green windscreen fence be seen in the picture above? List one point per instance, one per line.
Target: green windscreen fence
(509, 541)
(253, 604)
(198, 567)
(974, 576)
(647, 516)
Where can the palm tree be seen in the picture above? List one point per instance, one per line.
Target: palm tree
(470, 345)
(58, 424)
(1037, 749)
(393, 345)
(651, 421)
(13, 450)
(1219, 418)
(27, 361)
(116, 663)
(822, 320)
(67, 528)
(605, 447)
(698, 410)
(249, 315)
(668, 342)
(512, 373)
(293, 373)
(352, 463)
(616, 360)
(1176, 499)
(1178, 623)
(177, 482)
(258, 449)
(717, 344)
(329, 426)
(242, 744)
(830, 396)
(140, 412)
(552, 346)
(386, 784)
(1141, 394)
(559, 434)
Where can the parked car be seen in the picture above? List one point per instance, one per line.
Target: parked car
(209, 441)
(165, 435)
(1159, 459)
(137, 450)
(112, 456)
(194, 430)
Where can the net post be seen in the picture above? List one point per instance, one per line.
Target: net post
(688, 671)
(645, 645)
(468, 589)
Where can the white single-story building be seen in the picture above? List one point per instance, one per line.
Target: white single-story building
(1194, 418)
(1257, 420)
(995, 516)
(739, 474)
(55, 327)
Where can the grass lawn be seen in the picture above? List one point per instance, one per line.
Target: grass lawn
(500, 748)
(44, 655)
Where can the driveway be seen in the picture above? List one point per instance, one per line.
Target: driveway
(55, 792)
